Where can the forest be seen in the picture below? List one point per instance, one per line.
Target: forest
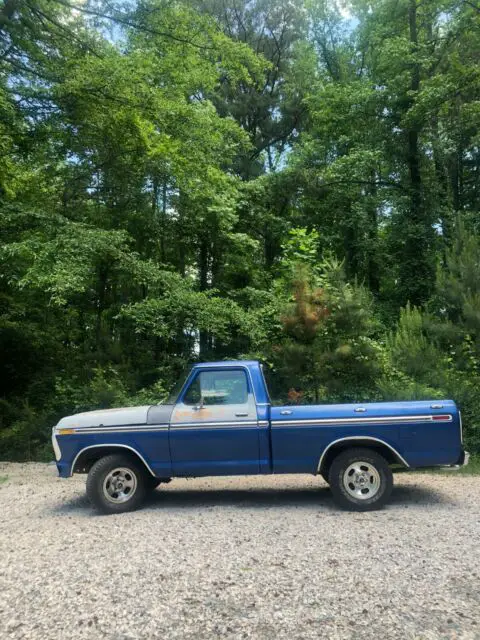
(296, 181)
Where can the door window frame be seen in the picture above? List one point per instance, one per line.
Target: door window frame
(197, 372)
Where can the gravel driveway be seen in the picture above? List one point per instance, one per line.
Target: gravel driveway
(264, 558)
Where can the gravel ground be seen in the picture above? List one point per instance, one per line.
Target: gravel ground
(261, 557)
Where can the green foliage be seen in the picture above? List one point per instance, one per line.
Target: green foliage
(301, 247)
(459, 281)
(410, 349)
(418, 369)
(197, 311)
(211, 179)
(324, 346)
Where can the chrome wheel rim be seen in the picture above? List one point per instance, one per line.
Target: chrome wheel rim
(119, 485)
(361, 480)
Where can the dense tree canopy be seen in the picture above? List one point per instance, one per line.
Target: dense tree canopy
(293, 180)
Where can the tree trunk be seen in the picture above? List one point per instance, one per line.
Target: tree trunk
(373, 270)
(203, 282)
(101, 306)
(416, 268)
(164, 221)
(413, 157)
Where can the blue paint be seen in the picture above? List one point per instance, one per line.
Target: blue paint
(229, 451)
(280, 440)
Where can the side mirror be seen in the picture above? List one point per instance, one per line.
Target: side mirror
(201, 404)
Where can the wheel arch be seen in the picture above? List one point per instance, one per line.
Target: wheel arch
(87, 456)
(389, 452)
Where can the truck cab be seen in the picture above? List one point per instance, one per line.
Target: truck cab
(221, 422)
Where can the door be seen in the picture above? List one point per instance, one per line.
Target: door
(213, 428)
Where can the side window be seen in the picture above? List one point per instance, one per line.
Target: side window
(218, 388)
(193, 394)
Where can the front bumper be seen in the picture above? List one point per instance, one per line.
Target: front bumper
(56, 448)
(63, 467)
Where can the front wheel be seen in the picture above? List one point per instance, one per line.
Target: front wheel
(360, 480)
(116, 484)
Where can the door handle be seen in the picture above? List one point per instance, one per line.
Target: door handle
(198, 407)
(241, 415)
(286, 412)
(360, 409)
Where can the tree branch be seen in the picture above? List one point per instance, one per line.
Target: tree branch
(472, 5)
(125, 21)
(377, 183)
(63, 31)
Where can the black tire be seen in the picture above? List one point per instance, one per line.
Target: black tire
(375, 487)
(99, 488)
(325, 477)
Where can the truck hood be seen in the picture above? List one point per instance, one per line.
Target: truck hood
(106, 418)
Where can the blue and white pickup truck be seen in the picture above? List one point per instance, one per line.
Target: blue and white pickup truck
(221, 422)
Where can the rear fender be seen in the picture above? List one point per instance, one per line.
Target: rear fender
(389, 452)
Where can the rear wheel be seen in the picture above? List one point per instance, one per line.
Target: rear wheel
(360, 480)
(116, 484)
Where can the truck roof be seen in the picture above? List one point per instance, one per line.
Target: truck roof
(226, 363)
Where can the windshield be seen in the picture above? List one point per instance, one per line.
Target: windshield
(177, 387)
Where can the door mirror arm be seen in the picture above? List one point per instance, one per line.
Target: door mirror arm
(200, 405)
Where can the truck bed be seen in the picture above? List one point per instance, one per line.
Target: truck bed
(419, 433)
